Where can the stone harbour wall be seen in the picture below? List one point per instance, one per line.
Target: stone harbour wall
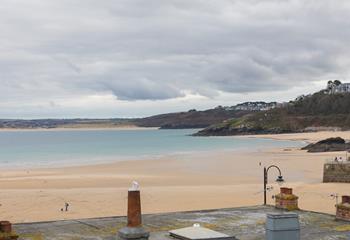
(336, 172)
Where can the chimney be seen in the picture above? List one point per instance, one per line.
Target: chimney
(282, 227)
(343, 209)
(345, 199)
(6, 232)
(134, 229)
(286, 199)
(134, 209)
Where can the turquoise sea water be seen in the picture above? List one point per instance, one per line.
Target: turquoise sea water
(62, 148)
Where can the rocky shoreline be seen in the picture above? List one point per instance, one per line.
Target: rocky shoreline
(227, 131)
(328, 145)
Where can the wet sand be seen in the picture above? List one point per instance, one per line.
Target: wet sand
(173, 183)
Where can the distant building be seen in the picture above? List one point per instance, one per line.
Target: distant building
(254, 106)
(342, 88)
(334, 87)
(300, 98)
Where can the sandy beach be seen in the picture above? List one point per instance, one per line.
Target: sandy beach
(173, 183)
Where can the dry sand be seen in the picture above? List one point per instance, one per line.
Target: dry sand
(174, 183)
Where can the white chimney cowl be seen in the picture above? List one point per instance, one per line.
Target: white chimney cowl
(135, 186)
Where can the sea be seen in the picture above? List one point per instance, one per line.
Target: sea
(58, 148)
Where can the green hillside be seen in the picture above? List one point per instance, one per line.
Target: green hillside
(307, 113)
(190, 119)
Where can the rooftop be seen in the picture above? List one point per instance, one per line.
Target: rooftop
(246, 223)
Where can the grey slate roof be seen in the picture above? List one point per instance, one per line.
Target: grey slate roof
(246, 223)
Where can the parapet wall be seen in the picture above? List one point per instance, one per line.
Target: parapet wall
(336, 172)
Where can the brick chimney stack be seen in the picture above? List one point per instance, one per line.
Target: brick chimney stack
(6, 232)
(343, 209)
(286, 199)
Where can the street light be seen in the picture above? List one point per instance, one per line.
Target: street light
(279, 179)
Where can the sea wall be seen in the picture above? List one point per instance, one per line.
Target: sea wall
(336, 172)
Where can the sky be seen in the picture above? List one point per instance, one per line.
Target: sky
(134, 58)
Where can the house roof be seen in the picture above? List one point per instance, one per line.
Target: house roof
(243, 223)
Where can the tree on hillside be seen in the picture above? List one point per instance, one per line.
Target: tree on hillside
(329, 85)
(337, 82)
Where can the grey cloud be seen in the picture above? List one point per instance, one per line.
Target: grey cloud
(142, 89)
(156, 50)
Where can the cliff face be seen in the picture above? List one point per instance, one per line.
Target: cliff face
(305, 114)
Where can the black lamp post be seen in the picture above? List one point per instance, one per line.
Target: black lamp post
(279, 178)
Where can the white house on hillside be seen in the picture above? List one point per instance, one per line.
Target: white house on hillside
(338, 87)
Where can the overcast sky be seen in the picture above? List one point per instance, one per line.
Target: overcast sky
(127, 58)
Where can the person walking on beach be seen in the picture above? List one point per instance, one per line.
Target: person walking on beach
(65, 208)
(66, 205)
